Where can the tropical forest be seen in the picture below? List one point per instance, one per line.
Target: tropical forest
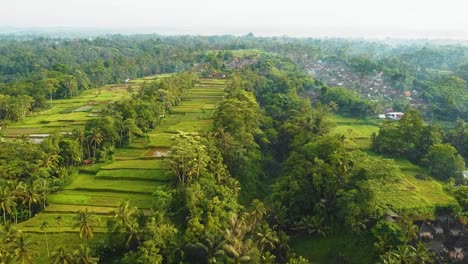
(148, 148)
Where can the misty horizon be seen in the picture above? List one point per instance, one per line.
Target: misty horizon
(296, 18)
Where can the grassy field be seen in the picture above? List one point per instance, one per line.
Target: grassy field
(67, 114)
(136, 164)
(336, 248)
(412, 194)
(99, 198)
(91, 183)
(136, 171)
(55, 241)
(418, 195)
(358, 130)
(142, 175)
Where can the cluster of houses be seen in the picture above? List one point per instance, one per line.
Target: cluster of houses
(372, 86)
(448, 239)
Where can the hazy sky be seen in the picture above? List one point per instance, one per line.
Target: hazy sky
(410, 18)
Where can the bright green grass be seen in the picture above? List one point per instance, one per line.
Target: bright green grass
(74, 197)
(421, 197)
(357, 131)
(199, 102)
(70, 241)
(91, 183)
(151, 78)
(46, 119)
(71, 209)
(121, 180)
(191, 126)
(61, 117)
(195, 108)
(129, 152)
(202, 101)
(205, 81)
(334, 249)
(67, 220)
(172, 118)
(157, 175)
(161, 139)
(219, 90)
(205, 92)
(196, 116)
(360, 135)
(136, 164)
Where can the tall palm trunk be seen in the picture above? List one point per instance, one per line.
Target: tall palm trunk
(89, 152)
(47, 244)
(95, 147)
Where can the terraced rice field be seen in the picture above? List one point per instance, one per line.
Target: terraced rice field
(68, 114)
(411, 193)
(135, 174)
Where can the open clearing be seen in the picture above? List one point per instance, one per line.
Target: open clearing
(419, 195)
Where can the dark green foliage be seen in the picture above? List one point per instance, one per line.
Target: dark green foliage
(408, 254)
(444, 162)
(448, 97)
(236, 124)
(409, 138)
(349, 102)
(458, 137)
(387, 235)
(326, 179)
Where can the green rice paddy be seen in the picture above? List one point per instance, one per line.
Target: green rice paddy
(137, 171)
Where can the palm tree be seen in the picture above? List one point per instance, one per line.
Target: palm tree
(382, 244)
(24, 253)
(83, 256)
(30, 194)
(214, 249)
(79, 136)
(234, 185)
(49, 161)
(298, 260)
(43, 186)
(123, 214)
(9, 233)
(422, 254)
(7, 201)
(131, 128)
(239, 250)
(268, 258)
(133, 238)
(312, 225)
(266, 237)
(96, 138)
(120, 126)
(84, 220)
(7, 236)
(258, 211)
(235, 245)
(410, 230)
(43, 227)
(59, 221)
(60, 256)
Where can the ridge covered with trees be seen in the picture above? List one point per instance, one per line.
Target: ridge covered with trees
(251, 175)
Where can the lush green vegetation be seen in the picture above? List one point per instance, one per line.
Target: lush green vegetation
(230, 161)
